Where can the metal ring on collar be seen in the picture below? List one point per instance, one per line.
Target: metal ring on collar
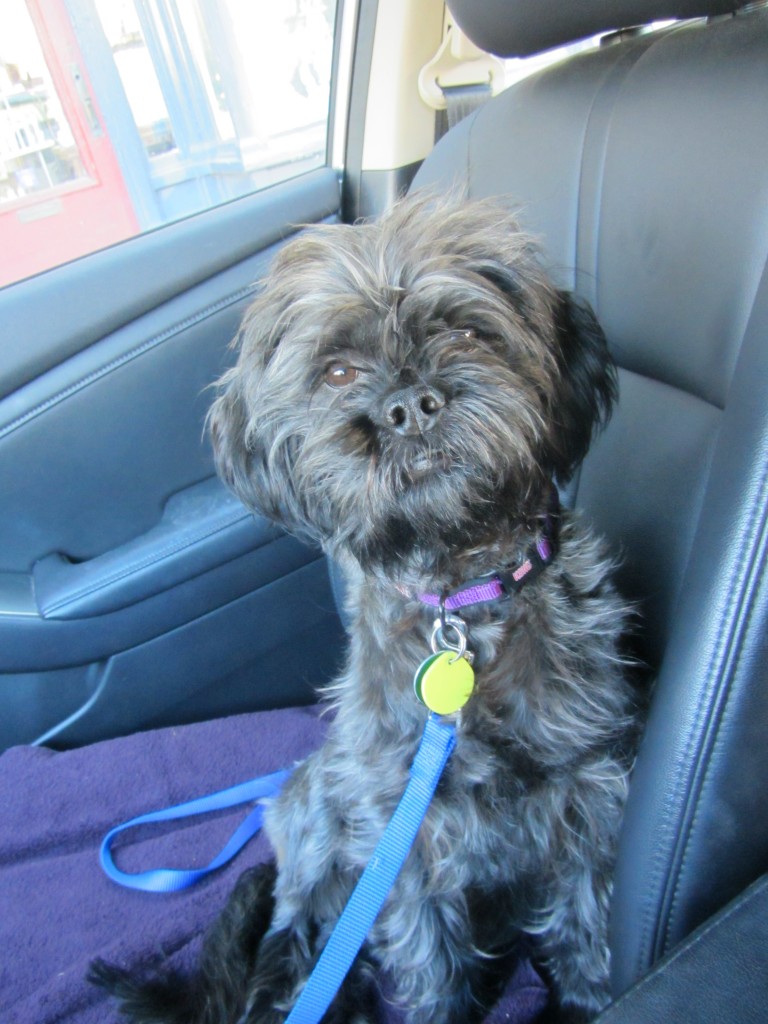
(438, 640)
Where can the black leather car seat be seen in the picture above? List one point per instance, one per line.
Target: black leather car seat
(642, 166)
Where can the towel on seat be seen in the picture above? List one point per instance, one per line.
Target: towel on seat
(57, 908)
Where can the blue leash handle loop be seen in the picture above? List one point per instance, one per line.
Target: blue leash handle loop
(379, 876)
(173, 879)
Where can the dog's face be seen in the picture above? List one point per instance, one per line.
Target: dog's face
(404, 387)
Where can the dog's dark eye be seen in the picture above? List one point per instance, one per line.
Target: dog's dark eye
(465, 334)
(338, 375)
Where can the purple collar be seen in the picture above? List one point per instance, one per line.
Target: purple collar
(497, 585)
(511, 578)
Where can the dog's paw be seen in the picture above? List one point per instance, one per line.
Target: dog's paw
(163, 999)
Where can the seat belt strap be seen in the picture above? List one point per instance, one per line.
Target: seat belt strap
(461, 100)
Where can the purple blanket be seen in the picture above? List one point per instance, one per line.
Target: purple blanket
(58, 910)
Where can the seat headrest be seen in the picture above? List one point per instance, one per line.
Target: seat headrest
(518, 28)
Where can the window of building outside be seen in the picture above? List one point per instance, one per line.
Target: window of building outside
(118, 116)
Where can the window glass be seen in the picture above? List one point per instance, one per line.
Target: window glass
(118, 116)
(138, 77)
(37, 148)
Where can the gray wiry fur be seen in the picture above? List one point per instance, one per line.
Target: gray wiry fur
(474, 384)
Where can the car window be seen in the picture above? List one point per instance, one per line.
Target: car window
(119, 116)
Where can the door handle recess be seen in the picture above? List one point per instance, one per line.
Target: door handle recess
(201, 527)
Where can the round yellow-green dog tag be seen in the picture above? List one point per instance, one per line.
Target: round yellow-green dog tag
(444, 682)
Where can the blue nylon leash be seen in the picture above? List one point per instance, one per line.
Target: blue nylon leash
(172, 879)
(373, 887)
(377, 879)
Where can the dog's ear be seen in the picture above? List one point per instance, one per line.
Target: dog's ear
(252, 463)
(228, 425)
(253, 451)
(587, 385)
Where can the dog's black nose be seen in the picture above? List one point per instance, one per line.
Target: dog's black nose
(414, 410)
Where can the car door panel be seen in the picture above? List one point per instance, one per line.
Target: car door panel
(55, 314)
(30, 639)
(122, 556)
(117, 428)
(201, 527)
(268, 648)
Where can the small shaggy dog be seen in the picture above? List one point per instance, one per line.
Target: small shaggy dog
(407, 393)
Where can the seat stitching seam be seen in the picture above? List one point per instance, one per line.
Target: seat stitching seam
(730, 651)
(618, 73)
(650, 919)
(722, 669)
